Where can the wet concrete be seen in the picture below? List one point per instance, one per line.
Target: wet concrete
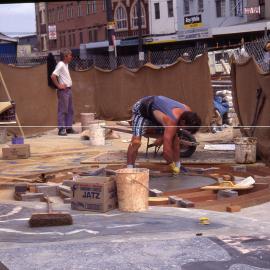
(180, 182)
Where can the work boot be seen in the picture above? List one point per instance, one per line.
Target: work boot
(62, 132)
(70, 131)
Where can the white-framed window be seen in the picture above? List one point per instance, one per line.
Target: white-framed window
(94, 6)
(79, 9)
(221, 8)
(134, 15)
(88, 7)
(120, 17)
(170, 8)
(236, 8)
(69, 11)
(60, 13)
(200, 6)
(186, 7)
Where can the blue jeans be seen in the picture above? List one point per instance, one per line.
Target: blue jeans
(65, 108)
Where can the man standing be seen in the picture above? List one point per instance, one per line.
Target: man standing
(62, 80)
(160, 111)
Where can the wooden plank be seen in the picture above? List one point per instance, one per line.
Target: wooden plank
(14, 178)
(153, 201)
(4, 106)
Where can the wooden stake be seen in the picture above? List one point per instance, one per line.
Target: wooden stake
(9, 97)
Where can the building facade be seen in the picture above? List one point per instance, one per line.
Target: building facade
(72, 23)
(41, 26)
(202, 20)
(126, 18)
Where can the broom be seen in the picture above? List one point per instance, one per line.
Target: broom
(50, 218)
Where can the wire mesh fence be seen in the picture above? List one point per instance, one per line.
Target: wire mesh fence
(156, 57)
(256, 49)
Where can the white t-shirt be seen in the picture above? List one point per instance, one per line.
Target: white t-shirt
(62, 72)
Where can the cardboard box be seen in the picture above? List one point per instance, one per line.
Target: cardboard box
(16, 151)
(94, 193)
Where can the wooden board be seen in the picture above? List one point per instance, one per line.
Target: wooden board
(223, 188)
(4, 106)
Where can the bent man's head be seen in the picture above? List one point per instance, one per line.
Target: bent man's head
(190, 121)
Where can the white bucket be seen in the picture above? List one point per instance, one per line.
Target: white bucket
(245, 150)
(3, 135)
(86, 119)
(96, 133)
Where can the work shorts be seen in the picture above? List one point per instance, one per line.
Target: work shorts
(141, 125)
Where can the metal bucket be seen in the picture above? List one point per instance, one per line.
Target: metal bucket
(245, 150)
(132, 189)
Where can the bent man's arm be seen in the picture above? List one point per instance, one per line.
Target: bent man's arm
(56, 83)
(168, 142)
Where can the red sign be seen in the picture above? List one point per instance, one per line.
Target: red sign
(52, 32)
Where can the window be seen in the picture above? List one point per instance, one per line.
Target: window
(69, 38)
(104, 5)
(90, 36)
(79, 9)
(220, 8)
(200, 6)
(93, 35)
(157, 11)
(70, 11)
(73, 38)
(106, 33)
(60, 14)
(88, 7)
(134, 15)
(64, 39)
(94, 6)
(51, 16)
(81, 37)
(186, 7)
(236, 8)
(170, 8)
(120, 17)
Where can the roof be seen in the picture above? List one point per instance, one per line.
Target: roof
(6, 38)
(241, 28)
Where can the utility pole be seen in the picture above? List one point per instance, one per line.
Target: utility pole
(111, 34)
(140, 49)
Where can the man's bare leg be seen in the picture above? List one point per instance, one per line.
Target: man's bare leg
(133, 150)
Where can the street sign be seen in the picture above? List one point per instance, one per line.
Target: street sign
(252, 10)
(196, 33)
(193, 21)
(52, 32)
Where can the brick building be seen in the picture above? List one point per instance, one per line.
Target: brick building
(80, 22)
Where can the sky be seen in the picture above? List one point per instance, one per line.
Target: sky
(17, 19)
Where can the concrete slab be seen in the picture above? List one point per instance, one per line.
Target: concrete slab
(161, 238)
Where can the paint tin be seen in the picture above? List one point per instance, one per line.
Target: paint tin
(245, 150)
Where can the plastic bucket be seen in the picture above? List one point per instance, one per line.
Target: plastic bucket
(245, 150)
(96, 133)
(17, 140)
(86, 119)
(132, 189)
(3, 135)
